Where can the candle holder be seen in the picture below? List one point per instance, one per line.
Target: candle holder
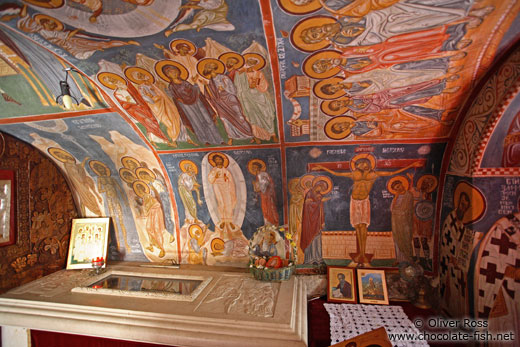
(97, 265)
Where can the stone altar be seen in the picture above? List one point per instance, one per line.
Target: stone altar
(227, 307)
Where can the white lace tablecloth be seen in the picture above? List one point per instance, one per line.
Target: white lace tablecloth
(350, 320)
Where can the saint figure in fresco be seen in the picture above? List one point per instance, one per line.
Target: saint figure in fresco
(195, 111)
(222, 94)
(363, 175)
(255, 98)
(187, 184)
(402, 218)
(313, 222)
(264, 186)
(295, 213)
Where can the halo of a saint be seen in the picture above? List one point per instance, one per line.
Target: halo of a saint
(240, 59)
(325, 108)
(339, 127)
(94, 163)
(258, 57)
(105, 77)
(58, 154)
(39, 17)
(184, 163)
(431, 178)
(314, 72)
(46, 3)
(161, 64)
(404, 181)
(317, 89)
(203, 62)
(127, 175)
(301, 26)
(476, 200)
(327, 180)
(132, 74)
(175, 43)
(299, 7)
(195, 231)
(306, 181)
(138, 191)
(368, 156)
(142, 170)
(130, 162)
(217, 245)
(211, 159)
(255, 161)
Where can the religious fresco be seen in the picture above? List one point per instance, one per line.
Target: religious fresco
(334, 192)
(222, 198)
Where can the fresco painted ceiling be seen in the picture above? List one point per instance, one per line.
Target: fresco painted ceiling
(167, 88)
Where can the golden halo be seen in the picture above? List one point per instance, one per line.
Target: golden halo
(402, 179)
(313, 58)
(46, 4)
(183, 163)
(425, 177)
(93, 164)
(334, 80)
(58, 152)
(195, 231)
(225, 56)
(39, 17)
(212, 161)
(175, 43)
(103, 78)
(217, 245)
(124, 177)
(368, 156)
(306, 180)
(261, 60)
(477, 202)
(255, 161)
(344, 133)
(325, 179)
(306, 23)
(203, 62)
(291, 8)
(160, 65)
(139, 172)
(325, 108)
(131, 74)
(142, 184)
(127, 160)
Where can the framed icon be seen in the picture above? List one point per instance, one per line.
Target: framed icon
(88, 240)
(341, 284)
(372, 286)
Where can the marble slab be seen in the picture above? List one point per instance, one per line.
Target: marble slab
(227, 308)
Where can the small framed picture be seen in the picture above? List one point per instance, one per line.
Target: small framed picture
(7, 208)
(372, 286)
(398, 289)
(88, 240)
(341, 284)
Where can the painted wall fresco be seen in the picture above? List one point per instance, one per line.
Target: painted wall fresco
(206, 120)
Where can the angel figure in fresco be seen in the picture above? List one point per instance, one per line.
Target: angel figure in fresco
(132, 102)
(363, 175)
(195, 111)
(207, 14)
(253, 93)
(89, 199)
(153, 215)
(159, 103)
(113, 194)
(81, 46)
(264, 186)
(187, 184)
(222, 94)
(313, 220)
